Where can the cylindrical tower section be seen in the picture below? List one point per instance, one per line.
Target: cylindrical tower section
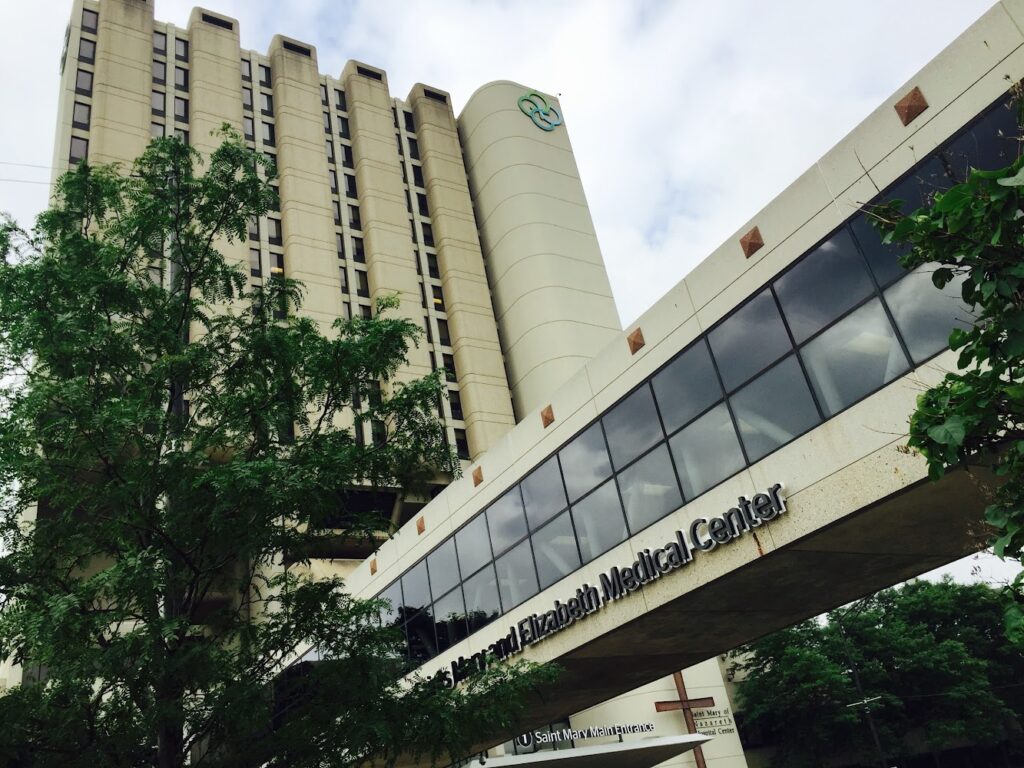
(549, 286)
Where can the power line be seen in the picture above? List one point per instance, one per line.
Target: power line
(25, 181)
(27, 165)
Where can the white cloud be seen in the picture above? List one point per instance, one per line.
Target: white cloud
(686, 117)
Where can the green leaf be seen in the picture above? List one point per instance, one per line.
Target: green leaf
(1017, 180)
(951, 432)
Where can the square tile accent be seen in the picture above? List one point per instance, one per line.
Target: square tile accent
(751, 242)
(373, 566)
(421, 525)
(547, 417)
(478, 476)
(910, 106)
(636, 341)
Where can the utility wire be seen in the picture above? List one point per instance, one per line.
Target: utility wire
(25, 181)
(27, 165)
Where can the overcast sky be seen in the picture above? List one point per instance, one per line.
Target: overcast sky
(686, 117)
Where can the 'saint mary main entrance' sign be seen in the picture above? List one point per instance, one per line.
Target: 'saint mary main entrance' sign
(703, 535)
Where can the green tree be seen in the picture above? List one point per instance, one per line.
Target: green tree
(973, 233)
(167, 439)
(935, 654)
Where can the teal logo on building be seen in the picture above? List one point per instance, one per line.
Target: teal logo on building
(545, 116)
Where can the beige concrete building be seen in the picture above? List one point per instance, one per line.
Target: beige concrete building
(780, 372)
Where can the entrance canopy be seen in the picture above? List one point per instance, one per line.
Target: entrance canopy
(642, 753)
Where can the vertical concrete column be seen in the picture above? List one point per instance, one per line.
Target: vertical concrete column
(551, 294)
(306, 215)
(214, 95)
(119, 129)
(390, 262)
(486, 402)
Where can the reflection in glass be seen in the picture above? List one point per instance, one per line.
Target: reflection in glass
(924, 314)
(422, 641)
(416, 588)
(649, 489)
(543, 493)
(774, 408)
(822, 286)
(517, 579)
(853, 358)
(444, 571)
(632, 427)
(482, 604)
(750, 339)
(450, 620)
(600, 524)
(686, 386)
(991, 143)
(707, 451)
(506, 521)
(473, 545)
(584, 465)
(554, 546)
(391, 614)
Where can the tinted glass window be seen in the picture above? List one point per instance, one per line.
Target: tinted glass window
(707, 451)
(450, 620)
(422, 641)
(752, 338)
(686, 386)
(599, 521)
(482, 602)
(925, 315)
(825, 284)
(774, 408)
(416, 588)
(444, 571)
(506, 521)
(517, 579)
(649, 489)
(584, 464)
(543, 493)
(83, 82)
(990, 143)
(472, 544)
(393, 594)
(854, 357)
(632, 427)
(554, 546)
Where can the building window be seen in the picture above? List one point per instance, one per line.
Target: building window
(337, 211)
(398, 141)
(421, 200)
(353, 217)
(264, 75)
(247, 99)
(343, 129)
(751, 339)
(410, 126)
(156, 130)
(707, 451)
(160, 43)
(266, 104)
(339, 100)
(327, 122)
(274, 231)
(181, 135)
(358, 250)
(180, 49)
(159, 72)
(414, 149)
(254, 228)
(455, 401)
(412, 225)
(81, 114)
(417, 175)
(86, 50)
(83, 82)
(181, 78)
(248, 128)
(79, 149)
(157, 103)
(350, 186)
(346, 156)
(379, 432)
(438, 298)
(448, 362)
(90, 21)
(365, 311)
(432, 268)
(277, 264)
(443, 334)
(362, 284)
(181, 109)
(332, 177)
(344, 280)
(461, 444)
(268, 134)
(329, 144)
(428, 234)
(246, 70)
(339, 242)
(254, 262)
(323, 95)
